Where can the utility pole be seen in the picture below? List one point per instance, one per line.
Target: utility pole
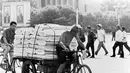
(77, 12)
(118, 9)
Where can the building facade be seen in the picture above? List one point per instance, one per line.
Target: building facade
(19, 10)
(72, 3)
(42, 3)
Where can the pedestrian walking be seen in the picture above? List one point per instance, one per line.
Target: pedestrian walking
(118, 39)
(124, 41)
(101, 39)
(113, 35)
(90, 44)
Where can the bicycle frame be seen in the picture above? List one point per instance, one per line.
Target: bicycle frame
(76, 60)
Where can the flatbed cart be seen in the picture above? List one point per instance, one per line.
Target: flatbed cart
(32, 64)
(39, 65)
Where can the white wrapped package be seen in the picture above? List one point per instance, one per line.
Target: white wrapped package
(41, 38)
(19, 31)
(26, 41)
(21, 46)
(41, 33)
(19, 51)
(17, 37)
(41, 27)
(59, 32)
(30, 31)
(18, 41)
(46, 48)
(45, 32)
(49, 57)
(52, 38)
(48, 43)
(37, 42)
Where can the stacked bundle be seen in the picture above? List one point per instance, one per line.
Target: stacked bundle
(39, 42)
(22, 41)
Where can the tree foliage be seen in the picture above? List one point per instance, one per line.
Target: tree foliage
(109, 22)
(63, 15)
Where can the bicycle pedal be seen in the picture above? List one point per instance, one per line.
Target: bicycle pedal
(5, 61)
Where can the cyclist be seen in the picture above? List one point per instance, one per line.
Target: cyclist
(63, 48)
(7, 40)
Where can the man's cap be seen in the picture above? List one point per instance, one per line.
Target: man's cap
(123, 28)
(89, 27)
(100, 25)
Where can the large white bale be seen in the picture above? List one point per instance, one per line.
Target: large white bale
(43, 43)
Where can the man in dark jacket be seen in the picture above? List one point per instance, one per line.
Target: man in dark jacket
(91, 38)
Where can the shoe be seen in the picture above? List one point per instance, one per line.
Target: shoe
(106, 53)
(118, 54)
(95, 53)
(112, 56)
(121, 56)
(92, 57)
(88, 55)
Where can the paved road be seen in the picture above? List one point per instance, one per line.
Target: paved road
(105, 64)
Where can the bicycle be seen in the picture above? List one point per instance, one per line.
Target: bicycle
(77, 68)
(7, 65)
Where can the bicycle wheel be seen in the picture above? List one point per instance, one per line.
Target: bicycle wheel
(84, 69)
(28, 67)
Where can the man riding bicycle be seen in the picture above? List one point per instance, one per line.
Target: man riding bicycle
(7, 40)
(63, 48)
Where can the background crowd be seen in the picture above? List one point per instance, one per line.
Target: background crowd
(119, 36)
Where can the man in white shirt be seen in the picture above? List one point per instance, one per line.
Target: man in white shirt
(124, 41)
(118, 39)
(101, 39)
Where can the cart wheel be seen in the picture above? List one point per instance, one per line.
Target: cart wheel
(28, 67)
(84, 69)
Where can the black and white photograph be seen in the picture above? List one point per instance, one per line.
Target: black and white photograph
(65, 36)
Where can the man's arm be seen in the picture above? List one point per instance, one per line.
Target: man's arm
(79, 41)
(104, 37)
(4, 38)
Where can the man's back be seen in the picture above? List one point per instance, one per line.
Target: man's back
(66, 38)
